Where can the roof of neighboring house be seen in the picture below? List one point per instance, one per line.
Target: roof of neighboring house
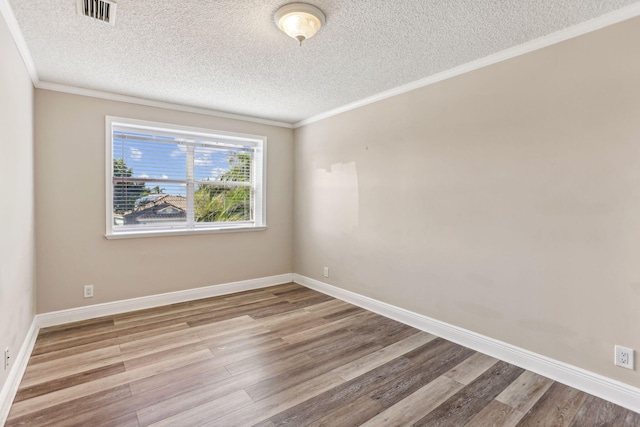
(177, 201)
(165, 208)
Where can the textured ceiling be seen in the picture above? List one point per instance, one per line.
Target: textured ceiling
(228, 55)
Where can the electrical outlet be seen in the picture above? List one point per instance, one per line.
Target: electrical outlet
(326, 272)
(7, 358)
(624, 357)
(88, 291)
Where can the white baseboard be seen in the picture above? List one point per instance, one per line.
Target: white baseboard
(110, 308)
(581, 379)
(10, 387)
(592, 383)
(20, 361)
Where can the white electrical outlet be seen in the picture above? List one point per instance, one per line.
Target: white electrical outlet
(326, 272)
(7, 358)
(88, 291)
(624, 357)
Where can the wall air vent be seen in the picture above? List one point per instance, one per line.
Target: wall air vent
(100, 10)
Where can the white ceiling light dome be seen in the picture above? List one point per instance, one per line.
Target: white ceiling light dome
(300, 21)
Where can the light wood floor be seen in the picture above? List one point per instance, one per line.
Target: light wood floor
(284, 355)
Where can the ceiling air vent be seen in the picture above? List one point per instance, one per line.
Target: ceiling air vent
(101, 10)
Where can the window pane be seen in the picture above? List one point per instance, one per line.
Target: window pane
(147, 156)
(229, 198)
(125, 195)
(162, 208)
(222, 203)
(141, 163)
(214, 163)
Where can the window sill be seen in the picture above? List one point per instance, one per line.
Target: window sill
(166, 233)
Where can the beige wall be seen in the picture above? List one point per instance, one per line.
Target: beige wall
(17, 248)
(505, 201)
(70, 212)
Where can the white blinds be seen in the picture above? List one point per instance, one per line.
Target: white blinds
(164, 178)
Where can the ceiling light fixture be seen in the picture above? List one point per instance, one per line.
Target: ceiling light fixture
(299, 20)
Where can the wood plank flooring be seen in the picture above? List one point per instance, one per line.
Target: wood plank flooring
(281, 356)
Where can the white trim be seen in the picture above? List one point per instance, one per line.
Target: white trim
(166, 233)
(172, 129)
(10, 387)
(155, 103)
(108, 158)
(110, 308)
(18, 38)
(611, 18)
(581, 379)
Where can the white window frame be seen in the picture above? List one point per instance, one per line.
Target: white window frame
(258, 174)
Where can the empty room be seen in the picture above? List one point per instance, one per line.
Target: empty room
(328, 213)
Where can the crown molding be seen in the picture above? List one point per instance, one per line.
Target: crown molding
(7, 12)
(154, 103)
(606, 20)
(21, 44)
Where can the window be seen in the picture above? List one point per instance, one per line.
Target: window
(165, 179)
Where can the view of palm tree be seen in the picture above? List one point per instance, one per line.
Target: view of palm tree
(229, 201)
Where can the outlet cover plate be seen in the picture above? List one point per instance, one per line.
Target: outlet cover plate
(624, 357)
(88, 291)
